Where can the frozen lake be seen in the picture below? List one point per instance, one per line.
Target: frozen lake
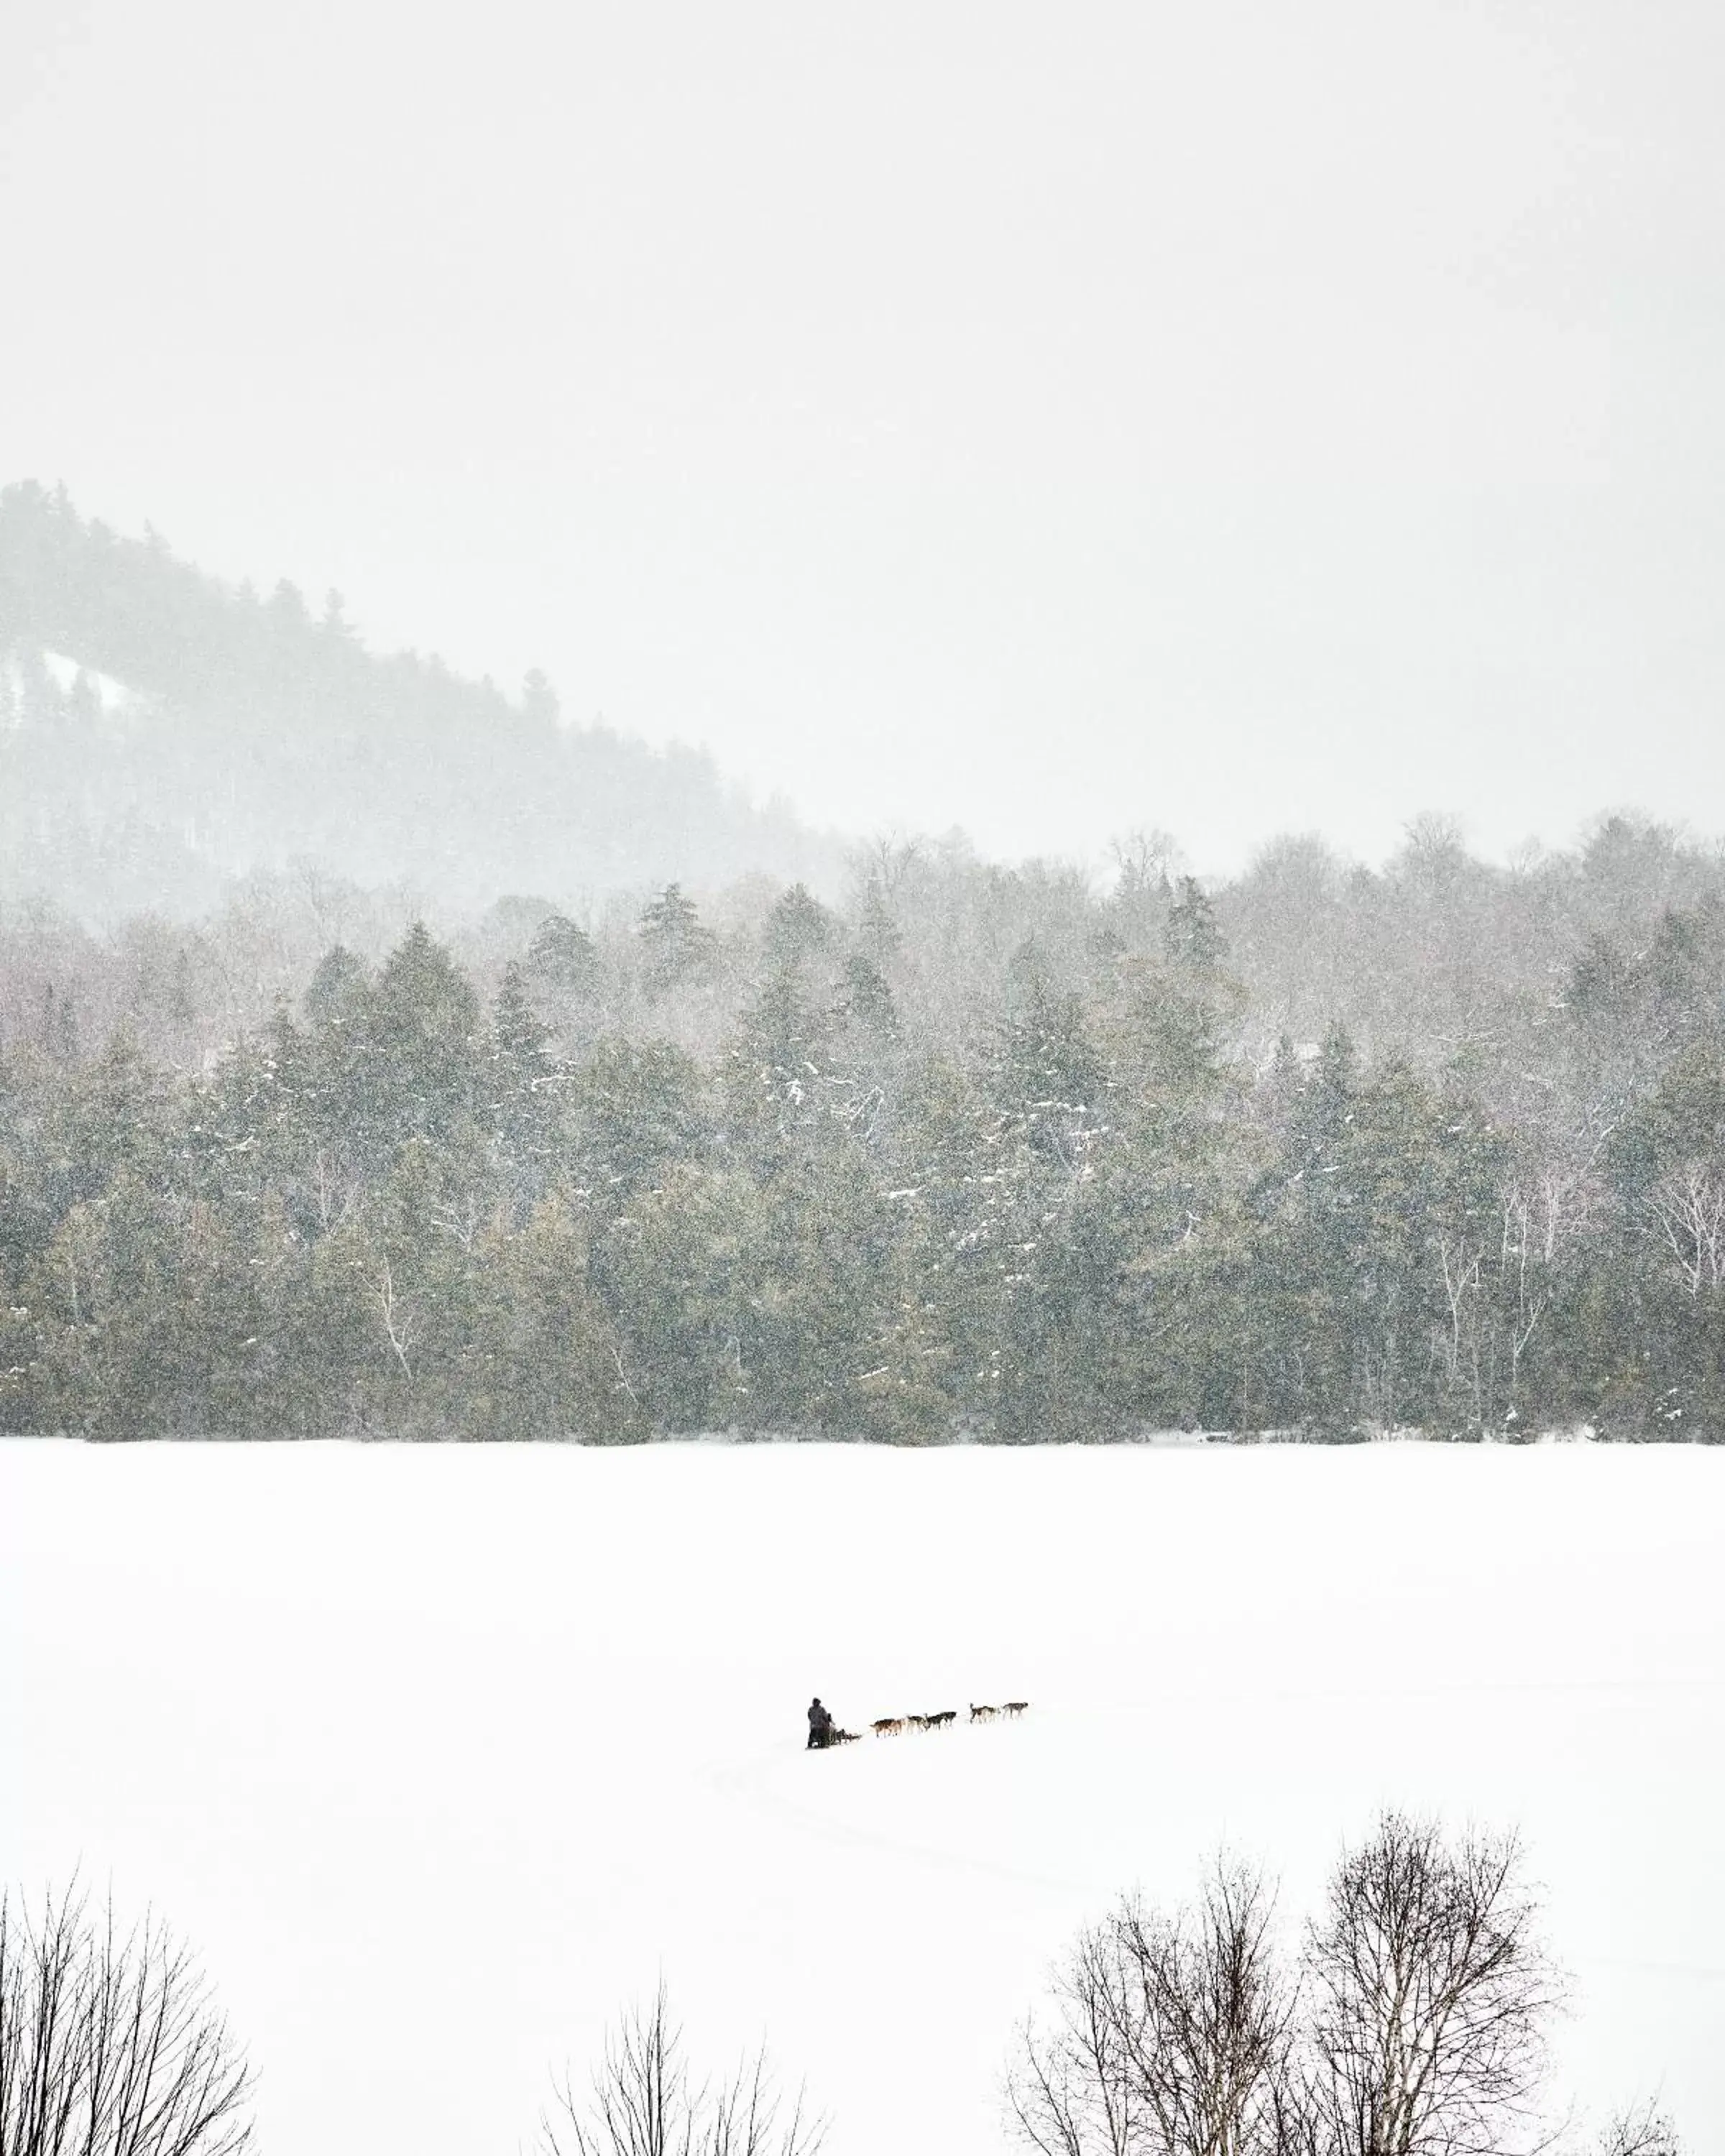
(439, 1755)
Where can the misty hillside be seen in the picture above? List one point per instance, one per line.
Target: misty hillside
(162, 733)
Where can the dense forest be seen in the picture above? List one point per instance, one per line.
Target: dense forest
(978, 1152)
(161, 733)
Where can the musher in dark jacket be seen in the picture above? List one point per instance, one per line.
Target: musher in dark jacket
(820, 1727)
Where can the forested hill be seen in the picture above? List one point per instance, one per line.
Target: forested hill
(162, 732)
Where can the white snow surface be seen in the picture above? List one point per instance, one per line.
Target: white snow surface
(110, 695)
(439, 1755)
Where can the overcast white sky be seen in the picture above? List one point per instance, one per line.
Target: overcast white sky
(1233, 416)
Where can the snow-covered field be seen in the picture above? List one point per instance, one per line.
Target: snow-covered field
(439, 1755)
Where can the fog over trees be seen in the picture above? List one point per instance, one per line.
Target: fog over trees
(160, 732)
(935, 1147)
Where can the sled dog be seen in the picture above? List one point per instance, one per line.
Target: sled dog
(983, 1713)
(1015, 1707)
(888, 1725)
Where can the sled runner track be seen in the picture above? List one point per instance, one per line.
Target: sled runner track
(745, 1784)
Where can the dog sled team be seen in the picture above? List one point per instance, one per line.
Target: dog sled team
(824, 1730)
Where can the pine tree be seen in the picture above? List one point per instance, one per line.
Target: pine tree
(539, 701)
(798, 928)
(877, 930)
(865, 999)
(423, 1029)
(676, 946)
(338, 988)
(562, 960)
(522, 1083)
(1192, 935)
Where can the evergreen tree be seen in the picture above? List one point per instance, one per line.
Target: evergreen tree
(676, 946)
(865, 1000)
(523, 1082)
(565, 978)
(338, 990)
(798, 929)
(776, 1074)
(562, 961)
(1192, 935)
(423, 1066)
(877, 932)
(636, 1109)
(539, 701)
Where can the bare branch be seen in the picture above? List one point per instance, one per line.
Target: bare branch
(111, 2044)
(1689, 1205)
(1646, 2132)
(1430, 1998)
(396, 1313)
(641, 2103)
(1171, 2033)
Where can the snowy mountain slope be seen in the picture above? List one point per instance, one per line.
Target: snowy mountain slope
(441, 1754)
(164, 732)
(109, 695)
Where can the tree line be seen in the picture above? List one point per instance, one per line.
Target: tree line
(1409, 2016)
(982, 1152)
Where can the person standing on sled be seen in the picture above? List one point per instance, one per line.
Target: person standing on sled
(820, 1727)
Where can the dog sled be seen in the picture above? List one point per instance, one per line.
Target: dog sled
(823, 1732)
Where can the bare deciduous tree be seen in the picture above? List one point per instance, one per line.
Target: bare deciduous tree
(1216, 2012)
(1415, 2025)
(110, 2043)
(1430, 1994)
(641, 2103)
(1689, 1205)
(1646, 2132)
(1070, 2091)
(1172, 2034)
(397, 1314)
